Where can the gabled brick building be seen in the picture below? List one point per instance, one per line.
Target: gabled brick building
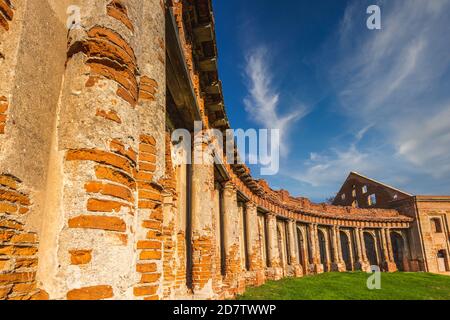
(429, 233)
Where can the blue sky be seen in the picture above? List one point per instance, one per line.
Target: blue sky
(344, 97)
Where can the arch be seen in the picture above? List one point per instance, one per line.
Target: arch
(345, 247)
(301, 248)
(371, 250)
(323, 249)
(442, 259)
(398, 245)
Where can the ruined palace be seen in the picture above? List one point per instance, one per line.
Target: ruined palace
(92, 205)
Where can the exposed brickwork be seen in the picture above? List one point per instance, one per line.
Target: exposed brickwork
(18, 247)
(109, 115)
(6, 13)
(91, 293)
(234, 271)
(118, 10)
(110, 56)
(149, 203)
(113, 192)
(147, 88)
(80, 257)
(3, 108)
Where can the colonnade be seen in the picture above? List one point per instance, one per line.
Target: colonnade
(254, 243)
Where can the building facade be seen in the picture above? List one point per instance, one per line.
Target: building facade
(429, 234)
(92, 205)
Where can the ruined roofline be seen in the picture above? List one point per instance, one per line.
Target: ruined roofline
(433, 198)
(377, 182)
(203, 30)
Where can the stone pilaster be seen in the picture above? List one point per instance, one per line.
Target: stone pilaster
(233, 280)
(203, 226)
(296, 267)
(254, 244)
(315, 266)
(362, 263)
(338, 264)
(275, 272)
(388, 258)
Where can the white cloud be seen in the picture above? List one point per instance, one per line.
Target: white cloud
(263, 100)
(394, 81)
(331, 168)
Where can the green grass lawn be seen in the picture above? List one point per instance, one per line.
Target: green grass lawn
(352, 286)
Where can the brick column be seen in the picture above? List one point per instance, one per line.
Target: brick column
(315, 266)
(304, 257)
(337, 251)
(361, 263)
(389, 244)
(363, 245)
(388, 258)
(296, 266)
(276, 271)
(203, 235)
(254, 244)
(233, 279)
(351, 248)
(109, 148)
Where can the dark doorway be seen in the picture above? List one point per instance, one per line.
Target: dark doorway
(371, 252)
(301, 248)
(397, 250)
(323, 250)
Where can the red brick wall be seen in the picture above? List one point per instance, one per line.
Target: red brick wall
(383, 194)
(18, 247)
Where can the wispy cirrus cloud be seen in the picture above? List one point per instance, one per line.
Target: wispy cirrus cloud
(263, 100)
(393, 82)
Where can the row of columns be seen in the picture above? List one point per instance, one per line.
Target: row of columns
(238, 269)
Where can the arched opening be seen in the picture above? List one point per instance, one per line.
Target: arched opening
(371, 252)
(345, 246)
(397, 250)
(301, 248)
(323, 250)
(442, 261)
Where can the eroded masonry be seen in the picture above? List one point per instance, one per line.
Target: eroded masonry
(91, 205)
